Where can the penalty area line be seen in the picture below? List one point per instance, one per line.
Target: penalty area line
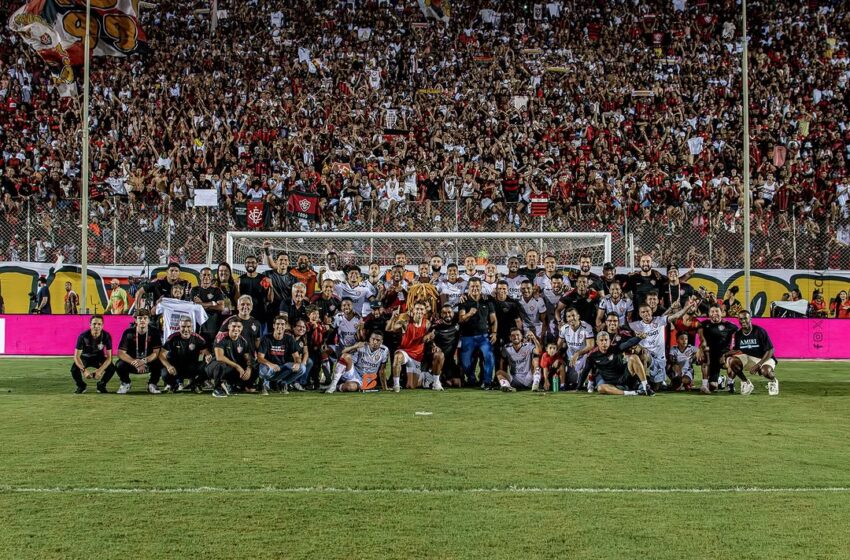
(438, 491)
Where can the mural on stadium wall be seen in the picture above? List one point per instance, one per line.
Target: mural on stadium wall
(17, 280)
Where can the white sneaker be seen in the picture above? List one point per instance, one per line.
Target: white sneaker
(265, 390)
(331, 388)
(123, 389)
(153, 389)
(591, 387)
(747, 388)
(535, 386)
(773, 387)
(396, 388)
(187, 384)
(166, 389)
(437, 386)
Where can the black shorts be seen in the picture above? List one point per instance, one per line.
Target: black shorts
(626, 382)
(713, 367)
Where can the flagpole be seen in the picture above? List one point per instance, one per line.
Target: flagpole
(84, 186)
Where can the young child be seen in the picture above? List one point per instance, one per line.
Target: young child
(552, 363)
(683, 356)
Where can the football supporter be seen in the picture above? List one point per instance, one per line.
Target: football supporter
(232, 363)
(93, 357)
(284, 358)
(183, 357)
(752, 352)
(522, 358)
(71, 300)
(362, 360)
(138, 354)
(840, 306)
(715, 337)
(615, 370)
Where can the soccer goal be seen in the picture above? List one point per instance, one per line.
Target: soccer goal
(363, 248)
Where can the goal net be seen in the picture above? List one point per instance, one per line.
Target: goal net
(363, 248)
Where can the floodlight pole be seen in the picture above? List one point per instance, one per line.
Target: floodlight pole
(746, 117)
(84, 185)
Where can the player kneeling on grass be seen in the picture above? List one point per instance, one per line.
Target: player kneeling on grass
(93, 357)
(183, 357)
(616, 369)
(284, 358)
(522, 360)
(232, 363)
(138, 353)
(357, 361)
(682, 368)
(752, 352)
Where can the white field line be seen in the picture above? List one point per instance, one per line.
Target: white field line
(4, 489)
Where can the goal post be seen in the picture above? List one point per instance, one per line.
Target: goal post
(363, 248)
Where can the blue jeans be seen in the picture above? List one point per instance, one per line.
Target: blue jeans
(286, 373)
(468, 345)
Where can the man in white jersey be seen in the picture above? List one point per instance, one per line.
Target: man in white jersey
(551, 296)
(345, 324)
(490, 279)
(534, 307)
(576, 338)
(617, 303)
(470, 266)
(451, 288)
(651, 330)
(358, 361)
(514, 278)
(522, 359)
(543, 280)
(173, 309)
(683, 355)
(355, 289)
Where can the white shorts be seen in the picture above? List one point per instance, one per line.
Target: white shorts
(749, 361)
(521, 382)
(412, 365)
(657, 369)
(351, 376)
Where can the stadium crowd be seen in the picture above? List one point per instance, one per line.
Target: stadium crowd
(614, 110)
(338, 329)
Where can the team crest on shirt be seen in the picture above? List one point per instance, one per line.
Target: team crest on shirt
(652, 282)
(100, 346)
(209, 296)
(239, 349)
(192, 346)
(721, 328)
(254, 328)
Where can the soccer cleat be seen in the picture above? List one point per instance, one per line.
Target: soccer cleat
(773, 387)
(747, 387)
(331, 389)
(730, 386)
(437, 386)
(153, 389)
(508, 389)
(219, 393)
(80, 389)
(123, 389)
(705, 390)
(645, 391)
(535, 386)
(396, 388)
(101, 388)
(591, 387)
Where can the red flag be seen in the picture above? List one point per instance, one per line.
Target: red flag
(540, 206)
(255, 215)
(303, 204)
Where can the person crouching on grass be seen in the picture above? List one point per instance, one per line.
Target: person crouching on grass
(752, 351)
(616, 369)
(232, 363)
(138, 354)
(284, 357)
(183, 357)
(361, 359)
(520, 363)
(93, 357)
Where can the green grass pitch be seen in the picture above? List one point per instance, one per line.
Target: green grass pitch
(487, 475)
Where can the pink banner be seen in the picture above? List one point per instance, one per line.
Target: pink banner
(56, 335)
(51, 335)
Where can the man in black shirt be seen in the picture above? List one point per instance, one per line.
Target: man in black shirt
(610, 276)
(257, 287)
(42, 298)
(752, 353)
(281, 282)
(181, 357)
(327, 303)
(93, 356)
(478, 329)
(283, 358)
(446, 339)
(509, 315)
(531, 270)
(594, 282)
(675, 290)
(294, 308)
(162, 287)
(211, 298)
(138, 353)
(251, 327)
(585, 301)
(617, 371)
(645, 280)
(233, 361)
(715, 336)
